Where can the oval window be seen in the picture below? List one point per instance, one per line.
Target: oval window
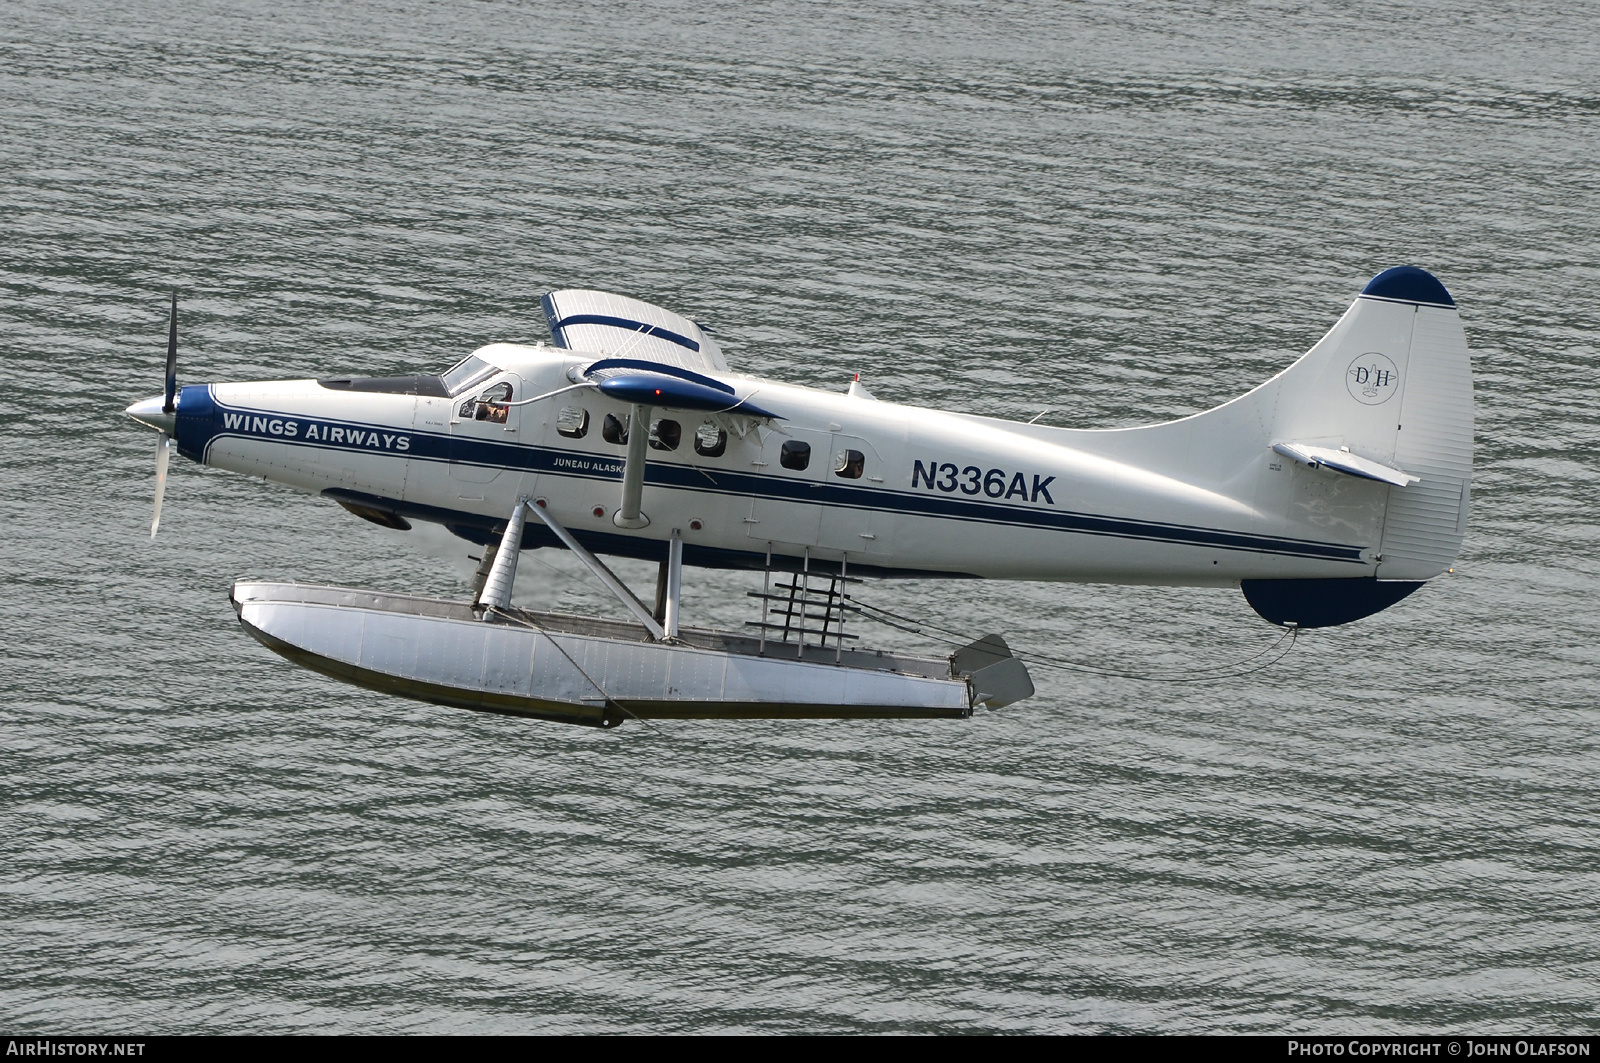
(666, 435)
(710, 441)
(849, 464)
(795, 455)
(573, 422)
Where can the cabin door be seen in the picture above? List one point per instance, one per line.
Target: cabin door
(785, 507)
(855, 520)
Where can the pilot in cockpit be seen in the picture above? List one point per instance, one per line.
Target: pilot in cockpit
(492, 404)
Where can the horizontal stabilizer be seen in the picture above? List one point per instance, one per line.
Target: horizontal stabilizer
(1341, 460)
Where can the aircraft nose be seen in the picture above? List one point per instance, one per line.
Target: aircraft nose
(149, 412)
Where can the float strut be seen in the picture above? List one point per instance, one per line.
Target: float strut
(674, 585)
(496, 593)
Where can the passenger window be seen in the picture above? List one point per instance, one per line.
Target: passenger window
(710, 441)
(613, 430)
(666, 435)
(795, 455)
(573, 422)
(850, 464)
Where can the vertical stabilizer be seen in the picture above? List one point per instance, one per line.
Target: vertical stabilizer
(1387, 397)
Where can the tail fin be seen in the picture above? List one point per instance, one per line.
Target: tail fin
(1385, 395)
(1391, 383)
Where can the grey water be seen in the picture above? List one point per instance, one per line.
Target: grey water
(1117, 213)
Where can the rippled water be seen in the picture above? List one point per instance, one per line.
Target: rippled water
(1119, 214)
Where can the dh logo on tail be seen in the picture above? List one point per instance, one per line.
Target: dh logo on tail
(1372, 378)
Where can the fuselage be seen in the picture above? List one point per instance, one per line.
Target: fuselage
(828, 479)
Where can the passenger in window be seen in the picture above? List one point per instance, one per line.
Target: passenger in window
(850, 464)
(795, 455)
(710, 441)
(666, 435)
(613, 430)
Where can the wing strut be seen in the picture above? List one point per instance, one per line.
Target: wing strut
(609, 578)
(633, 469)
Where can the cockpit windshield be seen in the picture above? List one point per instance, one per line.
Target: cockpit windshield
(466, 373)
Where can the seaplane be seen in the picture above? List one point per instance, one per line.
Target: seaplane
(1326, 494)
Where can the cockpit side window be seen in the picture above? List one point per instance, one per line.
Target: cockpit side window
(492, 403)
(466, 373)
(850, 464)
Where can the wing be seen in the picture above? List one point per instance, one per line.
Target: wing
(619, 327)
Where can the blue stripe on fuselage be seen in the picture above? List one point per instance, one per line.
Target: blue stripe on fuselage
(526, 457)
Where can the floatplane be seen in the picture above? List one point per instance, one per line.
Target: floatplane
(1328, 493)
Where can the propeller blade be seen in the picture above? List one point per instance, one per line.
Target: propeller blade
(163, 451)
(172, 355)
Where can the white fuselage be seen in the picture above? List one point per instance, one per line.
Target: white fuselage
(936, 492)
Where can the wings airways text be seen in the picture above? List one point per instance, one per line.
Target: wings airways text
(972, 480)
(315, 432)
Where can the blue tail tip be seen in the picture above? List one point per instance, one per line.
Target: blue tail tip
(1408, 284)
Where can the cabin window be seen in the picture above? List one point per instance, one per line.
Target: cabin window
(613, 430)
(573, 422)
(795, 455)
(465, 373)
(850, 464)
(710, 441)
(666, 435)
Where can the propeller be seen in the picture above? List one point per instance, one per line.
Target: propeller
(168, 407)
(161, 414)
(171, 405)
(163, 455)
